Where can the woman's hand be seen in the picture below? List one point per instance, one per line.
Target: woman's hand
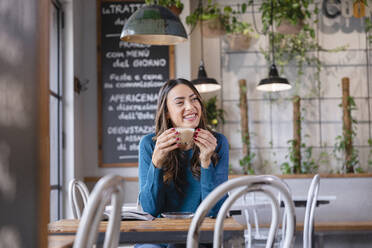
(165, 143)
(207, 143)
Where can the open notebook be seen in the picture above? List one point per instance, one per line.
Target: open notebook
(130, 211)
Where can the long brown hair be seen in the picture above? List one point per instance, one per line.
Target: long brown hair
(172, 167)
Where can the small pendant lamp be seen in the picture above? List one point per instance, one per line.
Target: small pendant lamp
(273, 82)
(203, 83)
(154, 25)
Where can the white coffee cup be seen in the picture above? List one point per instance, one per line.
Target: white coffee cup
(185, 134)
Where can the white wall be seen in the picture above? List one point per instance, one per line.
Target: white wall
(349, 204)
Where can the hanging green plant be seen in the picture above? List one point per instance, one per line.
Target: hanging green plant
(239, 34)
(293, 12)
(212, 15)
(233, 24)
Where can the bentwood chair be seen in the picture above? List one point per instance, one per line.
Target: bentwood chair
(312, 197)
(244, 185)
(261, 235)
(110, 187)
(78, 194)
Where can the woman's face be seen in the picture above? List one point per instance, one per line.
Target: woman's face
(184, 108)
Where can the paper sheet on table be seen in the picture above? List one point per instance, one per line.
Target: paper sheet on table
(130, 212)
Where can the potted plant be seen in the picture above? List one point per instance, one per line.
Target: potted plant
(289, 17)
(176, 6)
(239, 34)
(211, 17)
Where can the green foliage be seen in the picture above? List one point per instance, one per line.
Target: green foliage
(340, 145)
(246, 161)
(228, 16)
(215, 115)
(308, 163)
(239, 27)
(231, 169)
(292, 11)
(339, 152)
(305, 165)
(166, 3)
(212, 10)
(235, 26)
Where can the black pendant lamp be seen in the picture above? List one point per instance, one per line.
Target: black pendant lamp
(203, 83)
(154, 25)
(273, 82)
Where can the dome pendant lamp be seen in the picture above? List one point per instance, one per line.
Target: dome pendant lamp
(203, 83)
(273, 82)
(154, 25)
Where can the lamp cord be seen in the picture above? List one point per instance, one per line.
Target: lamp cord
(201, 32)
(254, 20)
(201, 41)
(272, 32)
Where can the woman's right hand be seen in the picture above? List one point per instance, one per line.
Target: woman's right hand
(165, 143)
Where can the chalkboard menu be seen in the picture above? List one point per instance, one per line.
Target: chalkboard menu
(129, 78)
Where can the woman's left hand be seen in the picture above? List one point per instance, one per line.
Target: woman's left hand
(207, 143)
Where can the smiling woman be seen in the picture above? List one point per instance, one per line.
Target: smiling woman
(176, 176)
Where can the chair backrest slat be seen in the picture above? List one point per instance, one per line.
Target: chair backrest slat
(248, 182)
(312, 197)
(110, 187)
(218, 237)
(78, 193)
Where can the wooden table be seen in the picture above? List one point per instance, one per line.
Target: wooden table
(163, 230)
(160, 230)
